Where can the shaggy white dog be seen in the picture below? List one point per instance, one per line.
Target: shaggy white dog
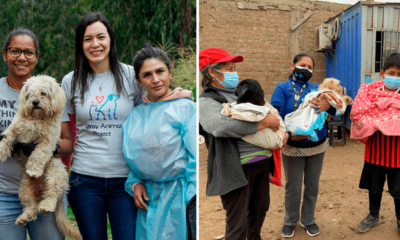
(45, 178)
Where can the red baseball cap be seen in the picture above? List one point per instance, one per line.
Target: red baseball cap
(216, 55)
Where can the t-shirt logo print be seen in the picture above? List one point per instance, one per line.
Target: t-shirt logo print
(99, 99)
(109, 107)
(7, 112)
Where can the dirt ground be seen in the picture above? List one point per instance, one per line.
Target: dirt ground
(341, 204)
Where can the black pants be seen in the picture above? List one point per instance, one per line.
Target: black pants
(246, 207)
(373, 178)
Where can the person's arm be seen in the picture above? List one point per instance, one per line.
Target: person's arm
(138, 91)
(219, 125)
(64, 149)
(140, 194)
(278, 100)
(135, 187)
(189, 132)
(323, 105)
(66, 143)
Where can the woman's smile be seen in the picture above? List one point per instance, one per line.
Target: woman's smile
(96, 52)
(96, 46)
(21, 66)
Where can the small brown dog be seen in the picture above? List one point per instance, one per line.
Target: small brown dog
(45, 178)
(334, 85)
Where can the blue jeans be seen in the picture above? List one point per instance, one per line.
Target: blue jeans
(92, 198)
(44, 228)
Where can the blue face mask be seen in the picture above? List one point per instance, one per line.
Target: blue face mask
(392, 82)
(231, 79)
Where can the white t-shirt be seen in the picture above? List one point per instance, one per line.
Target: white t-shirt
(10, 170)
(98, 150)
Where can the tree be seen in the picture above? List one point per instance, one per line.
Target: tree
(134, 22)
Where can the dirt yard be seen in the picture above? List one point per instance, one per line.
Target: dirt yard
(341, 204)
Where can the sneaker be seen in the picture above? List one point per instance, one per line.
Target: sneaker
(312, 229)
(367, 223)
(287, 231)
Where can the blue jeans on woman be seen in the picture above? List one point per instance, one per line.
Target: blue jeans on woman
(92, 198)
(44, 228)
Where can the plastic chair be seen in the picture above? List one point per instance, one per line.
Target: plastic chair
(339, 122)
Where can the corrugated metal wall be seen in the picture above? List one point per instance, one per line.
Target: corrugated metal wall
(368, 33)
(345, 63)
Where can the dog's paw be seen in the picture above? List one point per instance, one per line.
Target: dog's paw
(44, 211)
(34, 169)
(21, 221)
(46, 207)
(4, 152)
(36, 173)
(3, 157)
(24, 218)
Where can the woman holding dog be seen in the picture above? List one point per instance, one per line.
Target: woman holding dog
(21, 53)
(301, 157)
(160, 147)
(101, 92)
(244, 189)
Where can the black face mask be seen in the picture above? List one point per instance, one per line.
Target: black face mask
(302, 74)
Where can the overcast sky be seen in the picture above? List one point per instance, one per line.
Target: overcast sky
(354, 1)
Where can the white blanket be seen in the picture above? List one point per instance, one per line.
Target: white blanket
(304, 121)
(265, 138)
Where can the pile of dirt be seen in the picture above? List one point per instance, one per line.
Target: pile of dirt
(341, 204)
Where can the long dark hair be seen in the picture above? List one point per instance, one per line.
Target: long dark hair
(298, 57)
(82, 69)
(148, 51)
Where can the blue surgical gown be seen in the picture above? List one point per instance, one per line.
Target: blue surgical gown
(159, 144)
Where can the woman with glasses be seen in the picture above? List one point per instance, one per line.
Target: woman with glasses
(21, 53)
(101, 92)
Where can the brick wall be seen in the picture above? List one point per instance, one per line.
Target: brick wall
(261, 32)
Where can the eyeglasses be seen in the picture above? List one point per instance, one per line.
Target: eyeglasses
(16, 52)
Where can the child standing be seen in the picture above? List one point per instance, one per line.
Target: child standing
(376, 123)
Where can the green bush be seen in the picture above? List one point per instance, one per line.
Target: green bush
(184, 70)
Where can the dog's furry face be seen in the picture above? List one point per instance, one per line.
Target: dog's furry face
(250, 91)
(334, 85)
(41, 97)
(331, 84)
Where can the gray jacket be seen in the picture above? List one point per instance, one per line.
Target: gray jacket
(224, 171)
